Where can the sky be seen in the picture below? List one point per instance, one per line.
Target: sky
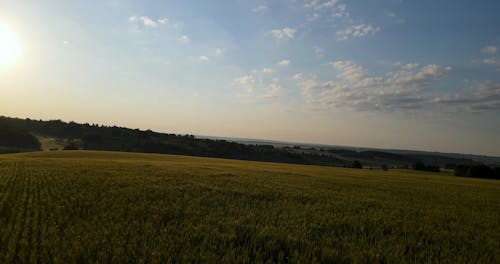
(401, 74)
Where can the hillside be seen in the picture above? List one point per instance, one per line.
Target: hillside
(75, 206)
(112, 138)
(16, 141)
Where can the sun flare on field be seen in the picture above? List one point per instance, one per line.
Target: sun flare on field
(10, 47)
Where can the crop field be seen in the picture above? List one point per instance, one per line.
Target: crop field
(76, 206)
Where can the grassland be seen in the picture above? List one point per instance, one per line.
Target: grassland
(67, 207)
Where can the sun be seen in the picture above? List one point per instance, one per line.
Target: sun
(10, 47)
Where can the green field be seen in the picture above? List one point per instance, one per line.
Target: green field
(67, 207)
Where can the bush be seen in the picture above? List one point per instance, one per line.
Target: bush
(6, 150)
(481, 171)
(17, 139)
(422, 167)
(71, 146)
(477, 171)
(357, 165)
(461, 170)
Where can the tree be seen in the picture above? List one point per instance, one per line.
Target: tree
(71, 146)
(357, 165)
(461, 170)
(14, 138)
(422, 167)
(477, 171)
(481, 171)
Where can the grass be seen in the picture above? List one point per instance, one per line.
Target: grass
(75, 206)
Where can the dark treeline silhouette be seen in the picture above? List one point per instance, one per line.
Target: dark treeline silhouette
(18, 135)
(356, 165)
(371, 154)
(477, 171)
(423, 167)
(112, 138)
(398, 160)
(17, 140)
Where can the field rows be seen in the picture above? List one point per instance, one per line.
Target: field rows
(114, 207)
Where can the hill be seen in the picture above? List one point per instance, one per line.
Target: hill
(112, 138)
(83, 206)
(12, 140)
(56, 134)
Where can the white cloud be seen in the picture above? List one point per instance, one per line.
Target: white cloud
(184, 39)
(489, 50)
(308, 83)
(218, 51)
(284, 62)
(340, 12)
(204, 58)
(246, 82)
(357, 31)
(319, 51)
(247, 79)
(267, 70)
(313, 16)
(354, 88)
(258, 87)
(144, 20)
(260, 8)
(285, 33)
(410, 66)
(395, 18)
(132, 19)
(349, 71)
(298, 76)
(321, 4)
(491, 61)
(163, 21)
(273, 90)
(482, 97)
(147, 21)
(396, 63)
(308, 86)
(321, 7)
(403, 89)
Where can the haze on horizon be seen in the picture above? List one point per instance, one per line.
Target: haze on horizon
(421, 75)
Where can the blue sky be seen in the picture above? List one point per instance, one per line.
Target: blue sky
(378, 73)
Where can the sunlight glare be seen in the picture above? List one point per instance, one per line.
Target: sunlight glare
(10, 47)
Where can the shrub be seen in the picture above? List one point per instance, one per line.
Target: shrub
(477, 171)
(18, 139)
(71, 146)
(357, 165)
(422, 167)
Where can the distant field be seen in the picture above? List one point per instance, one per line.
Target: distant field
(48, 143)
(75, 206)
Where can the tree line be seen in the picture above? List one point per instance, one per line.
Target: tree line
(14, 140)
(477, 171)
(112, 138)
(17, 135)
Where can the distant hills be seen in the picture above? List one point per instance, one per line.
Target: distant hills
(71, 135)
(400, 157)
